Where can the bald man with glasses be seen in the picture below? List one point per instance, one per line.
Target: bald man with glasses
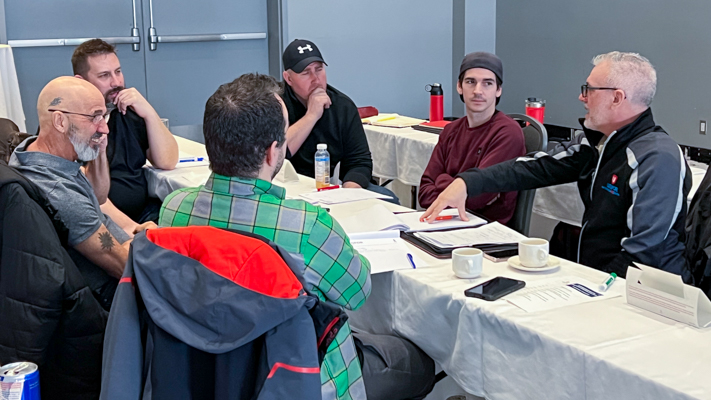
(632, 176)
(72, 133)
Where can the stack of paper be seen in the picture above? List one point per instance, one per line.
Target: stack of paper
(379, 218)
(392, 120)
(385, 251)
(342, 195)
(493, 233)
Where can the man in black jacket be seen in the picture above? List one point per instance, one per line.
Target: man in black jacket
(318, 113)
(631, 175)
(48, 314)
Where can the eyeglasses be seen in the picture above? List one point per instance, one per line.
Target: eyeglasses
(585, 88)
(95, 118)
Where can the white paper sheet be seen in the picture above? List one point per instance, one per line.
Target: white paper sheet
(379, 218)
(287, 173)
(492, 233)
(372, 219)
(557, 292)
(342, 195)
(385, 252)
(666, 294)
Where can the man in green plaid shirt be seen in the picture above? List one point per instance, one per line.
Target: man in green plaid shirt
(244, 126)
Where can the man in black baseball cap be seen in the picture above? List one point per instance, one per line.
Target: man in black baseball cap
(318, 113)
(483, 137)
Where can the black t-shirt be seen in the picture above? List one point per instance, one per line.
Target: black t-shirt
(126, 152)
(341, 129)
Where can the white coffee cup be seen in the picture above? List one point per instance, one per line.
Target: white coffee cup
(467, 262)
(533, 253)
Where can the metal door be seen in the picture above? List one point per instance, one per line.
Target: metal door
(44, 33)
(193, 47)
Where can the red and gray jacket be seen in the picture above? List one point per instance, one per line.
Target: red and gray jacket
(634, 191)
(208, 313)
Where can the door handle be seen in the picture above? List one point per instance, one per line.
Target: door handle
(210, 38)
(134, 31)
(152, 35)
(71, 42)
(154, 39)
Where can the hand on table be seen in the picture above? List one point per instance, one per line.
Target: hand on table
(455, 195)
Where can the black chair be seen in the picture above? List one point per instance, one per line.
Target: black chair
(536, 140)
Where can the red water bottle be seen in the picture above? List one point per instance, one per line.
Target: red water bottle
(536, 108)
(436, 102)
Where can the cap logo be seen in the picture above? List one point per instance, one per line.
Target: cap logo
(307, 47)
(614, 179)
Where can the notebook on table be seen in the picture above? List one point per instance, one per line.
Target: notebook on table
(432, 127)
(379, 218)
(488, 238)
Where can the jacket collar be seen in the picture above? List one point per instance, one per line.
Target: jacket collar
(640, 126)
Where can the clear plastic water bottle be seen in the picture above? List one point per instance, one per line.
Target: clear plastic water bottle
(322, 166)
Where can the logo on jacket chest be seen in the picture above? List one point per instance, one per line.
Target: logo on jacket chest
(611, 188)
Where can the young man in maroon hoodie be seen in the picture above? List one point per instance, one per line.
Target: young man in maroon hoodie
(484, 137)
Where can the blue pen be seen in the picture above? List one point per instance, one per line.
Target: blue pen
(409, 257)
(191, 159)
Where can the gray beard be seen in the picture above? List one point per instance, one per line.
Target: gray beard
(83, 149)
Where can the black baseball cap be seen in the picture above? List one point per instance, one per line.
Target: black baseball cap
(299, 54)
(482, 59)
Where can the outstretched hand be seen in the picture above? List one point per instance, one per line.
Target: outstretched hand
(455, 195)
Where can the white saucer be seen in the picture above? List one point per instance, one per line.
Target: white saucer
(553, 263)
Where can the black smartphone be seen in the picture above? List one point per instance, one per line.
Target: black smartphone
(500, 255)
(495, 288)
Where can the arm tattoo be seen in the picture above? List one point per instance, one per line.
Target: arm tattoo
(56, 101)
(107, 242)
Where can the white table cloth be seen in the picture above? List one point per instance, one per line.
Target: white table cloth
(400, 153)
(10, 100)
(599, 350)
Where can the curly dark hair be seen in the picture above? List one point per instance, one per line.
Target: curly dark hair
(242, 120)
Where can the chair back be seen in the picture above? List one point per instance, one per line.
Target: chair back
(536, 140)
(10, 138)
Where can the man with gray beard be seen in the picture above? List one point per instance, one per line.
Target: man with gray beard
(73, 131)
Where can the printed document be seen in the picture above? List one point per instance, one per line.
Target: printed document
(548, 294)
(492, 233)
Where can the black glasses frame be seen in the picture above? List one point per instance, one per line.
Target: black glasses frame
(585, 88)
(95, 118)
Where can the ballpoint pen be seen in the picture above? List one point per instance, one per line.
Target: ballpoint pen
(412, 262)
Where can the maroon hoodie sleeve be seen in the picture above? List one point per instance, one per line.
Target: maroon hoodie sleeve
(435, 178)
(507, 143)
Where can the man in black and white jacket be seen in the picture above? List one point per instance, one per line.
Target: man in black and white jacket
(632, 176)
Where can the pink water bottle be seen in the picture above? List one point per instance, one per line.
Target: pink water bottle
(436, 102)
(536, 108)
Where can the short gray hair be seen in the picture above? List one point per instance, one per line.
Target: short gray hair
(632, 73)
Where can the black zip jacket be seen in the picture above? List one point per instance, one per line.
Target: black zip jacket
(341, 129)
(48, 314)
(634, 192)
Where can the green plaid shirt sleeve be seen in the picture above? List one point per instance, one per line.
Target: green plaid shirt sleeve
(343, 274)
